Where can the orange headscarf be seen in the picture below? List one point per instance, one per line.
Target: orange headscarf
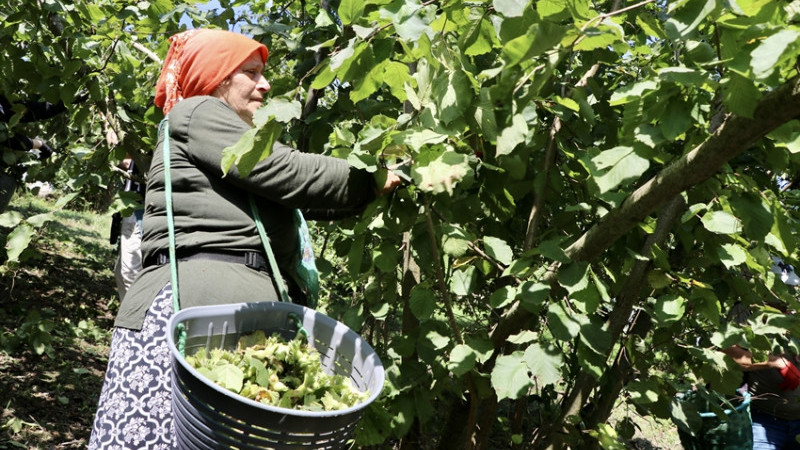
(198, 60)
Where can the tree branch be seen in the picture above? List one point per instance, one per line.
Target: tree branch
(732, 138)
(149, 53)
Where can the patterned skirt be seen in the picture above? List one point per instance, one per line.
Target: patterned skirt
(134, 411)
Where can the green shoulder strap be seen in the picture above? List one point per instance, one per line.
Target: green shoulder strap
(273, 264)
(173, 261)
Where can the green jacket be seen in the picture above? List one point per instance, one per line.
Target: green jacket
(212, 212)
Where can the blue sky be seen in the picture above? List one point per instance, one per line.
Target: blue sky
(211, 5)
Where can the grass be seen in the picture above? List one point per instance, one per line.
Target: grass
(56, 313)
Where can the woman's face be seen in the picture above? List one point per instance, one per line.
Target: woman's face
(244, 89)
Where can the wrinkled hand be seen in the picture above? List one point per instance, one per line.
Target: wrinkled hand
(791, 377)
(386, 181)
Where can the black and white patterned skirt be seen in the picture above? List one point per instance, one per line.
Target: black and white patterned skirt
(134, 411)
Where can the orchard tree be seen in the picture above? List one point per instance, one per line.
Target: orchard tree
(98, 61)
(591, 188)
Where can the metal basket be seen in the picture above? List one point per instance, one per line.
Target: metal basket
(208, 416)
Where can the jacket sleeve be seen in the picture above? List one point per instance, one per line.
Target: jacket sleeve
(288, 176)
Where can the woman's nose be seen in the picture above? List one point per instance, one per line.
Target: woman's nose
(263, 84)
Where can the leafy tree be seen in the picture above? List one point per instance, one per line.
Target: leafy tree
(591, 186)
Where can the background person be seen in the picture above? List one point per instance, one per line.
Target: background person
(126, 232)
(210, 85)
(773, 384)
(775, 398)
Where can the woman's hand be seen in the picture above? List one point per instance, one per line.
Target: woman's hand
(386, 181)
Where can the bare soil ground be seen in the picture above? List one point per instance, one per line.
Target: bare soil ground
(60, 302)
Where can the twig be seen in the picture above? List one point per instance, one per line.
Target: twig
(150, 54)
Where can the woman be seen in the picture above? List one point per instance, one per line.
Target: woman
(211, 84)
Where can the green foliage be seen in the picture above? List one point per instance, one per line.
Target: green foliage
(519, 126)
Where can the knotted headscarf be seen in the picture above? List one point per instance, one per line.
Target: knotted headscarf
(199, 60)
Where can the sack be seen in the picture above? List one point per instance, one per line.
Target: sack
(305, 267)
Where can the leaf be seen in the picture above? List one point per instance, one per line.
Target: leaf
(562, 323)
(454, 241)
(510, 8)
(480, 39)
(545, 363)
(540, 38)
(682, 75)
(643, 392)
(453, 95)
(64, 199)
(498, 249)
(668, 309)
(385, 258)
(601, 36)
(574, 277)
(367, 84)
(485, 118)
(607, 437)
(408, 22)
(10, 219)
(677, 119)
(439, 341)
(731, 255)
(523, 338)
(462, 360)
(254, 145)
(756, 216)
(596, 337)
(510, 377)
(396, 75)
(416, 139)
(18, 240)
(279, 109)
(553, 10)
(502, 297)
(442, 173)
(512, 135)
(721, 222)
(686, 16)
(617, 166)
(685, 415)
(740, 95)
(350, 11)
(533, 295)
(228, 376)
(422, 302)
(463, 281)
(551, 249)
(766, 56)
(339, 58)
(631, 93)
(355, 256)
(374, 426)
(40, 219)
